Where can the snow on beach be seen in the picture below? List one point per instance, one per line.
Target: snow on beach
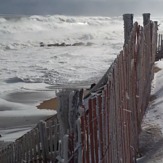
(155, 113)
(151, 138)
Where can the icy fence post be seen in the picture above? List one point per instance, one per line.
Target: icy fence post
(68, 115)
(146, 18)
(65, 147)
(62, 114)
(43, 139)
(128, 25)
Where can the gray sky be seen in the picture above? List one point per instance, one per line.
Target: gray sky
(80, 7)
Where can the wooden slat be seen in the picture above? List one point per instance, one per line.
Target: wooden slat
(33, 141)
(83, 139)
(91, 130)
(95, 135)
(87, 139)
(100, 127)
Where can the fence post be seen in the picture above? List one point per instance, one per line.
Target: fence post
(146, 18)
(67, 115)
(65, 145)
(156, 23)
(63, 111)
(62, 114)
(43, 138)
(79, 140)
(128, 24)
(69, 101)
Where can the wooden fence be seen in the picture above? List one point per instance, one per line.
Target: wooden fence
(112, 122)
(104, 126)
(109, 123)
(38, 145)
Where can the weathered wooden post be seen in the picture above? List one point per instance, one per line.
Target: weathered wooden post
(128, 25)
(68, 114)
(62, 114)
(157, 38)
(146, 18)
(156, 24)
(43, 139)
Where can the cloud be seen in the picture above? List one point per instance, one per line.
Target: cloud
(79, 7)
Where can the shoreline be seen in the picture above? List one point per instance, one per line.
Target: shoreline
(51, 104)
(19, 112)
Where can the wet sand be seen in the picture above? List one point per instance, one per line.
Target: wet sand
(19, 111)
(51, 104)
(20, 121)
(28, 97)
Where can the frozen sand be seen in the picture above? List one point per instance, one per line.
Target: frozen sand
(152, 124)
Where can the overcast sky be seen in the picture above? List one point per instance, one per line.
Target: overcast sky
(80, 7)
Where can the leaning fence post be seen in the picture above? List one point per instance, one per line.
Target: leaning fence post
(67, 115)
(156, 24)
(65, 145)
(43, 139)
(128, 25)
(78, 123)
(62, 114)
(146, 18)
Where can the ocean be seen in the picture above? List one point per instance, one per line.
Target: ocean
(35, 64)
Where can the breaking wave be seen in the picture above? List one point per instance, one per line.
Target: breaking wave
(26, 31)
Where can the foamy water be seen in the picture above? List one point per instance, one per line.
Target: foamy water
(24, 61)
